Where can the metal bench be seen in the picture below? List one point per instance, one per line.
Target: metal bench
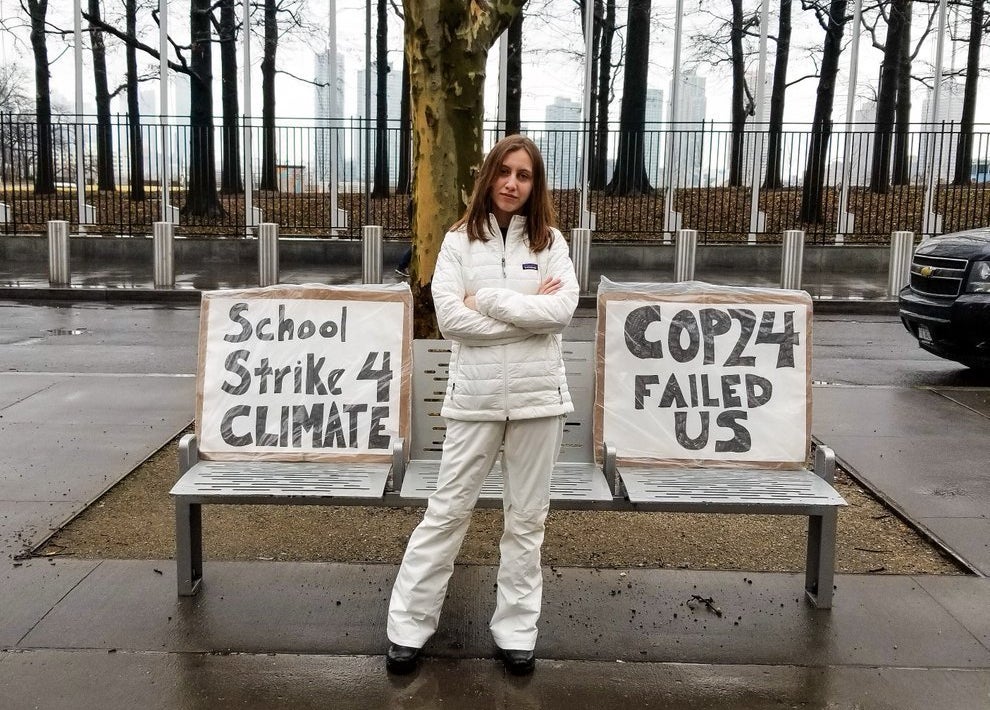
(578, 481)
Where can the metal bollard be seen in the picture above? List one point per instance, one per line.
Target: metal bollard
(901, 251)
(792, 259)
(58, 253)
(267, 254)
(163, 236)
(581, 256)
(685, 248)
(371, 254)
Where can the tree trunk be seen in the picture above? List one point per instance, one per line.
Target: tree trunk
(599, 162)
(447, 42)
(630, 176)
(230, 142)
(269, 176)
(201, 199)
(44, 175)
(135, 139)
(964, 146)
(774, 179)
(404, 180)
(513, 89)
(886, 100)
(380, 186)
(901, 169)
(739, 109)
(591, 123)
(821, 128)
(105, 181)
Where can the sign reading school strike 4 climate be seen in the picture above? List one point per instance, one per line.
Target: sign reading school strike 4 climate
(304, 373)
(694, 373)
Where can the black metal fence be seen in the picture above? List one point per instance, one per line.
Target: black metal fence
(302, 170)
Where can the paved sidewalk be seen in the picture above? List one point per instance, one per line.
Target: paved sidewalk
(113, 634)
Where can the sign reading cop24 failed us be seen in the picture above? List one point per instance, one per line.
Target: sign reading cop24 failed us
(301, 375)
(723, 381)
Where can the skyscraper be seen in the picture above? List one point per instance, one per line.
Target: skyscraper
(393, 94)
(560, 143)
(938, 146)
(688, 130)
(755, 137)
(329, 106)
(652, 141)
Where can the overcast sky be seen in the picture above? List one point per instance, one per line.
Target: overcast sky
(553, 45)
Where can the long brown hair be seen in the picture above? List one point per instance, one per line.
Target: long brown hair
(539, 211)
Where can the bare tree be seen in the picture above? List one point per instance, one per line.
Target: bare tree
(834, 22)
(513, 88)
(44, 174)
(382, 69)
(230, 141)
(724, 44)
(773, 180)
(15, 141)
(964, 146)
(269, 157)
(201, 198)
(104, 130)
(629, 177)
(135, 139)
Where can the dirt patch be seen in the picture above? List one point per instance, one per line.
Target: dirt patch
(135, 520)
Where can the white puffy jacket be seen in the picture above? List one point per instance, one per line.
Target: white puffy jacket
(506, 361)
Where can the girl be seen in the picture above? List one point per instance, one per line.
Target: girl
(504, 289)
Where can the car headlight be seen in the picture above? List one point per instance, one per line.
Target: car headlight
(979, 278)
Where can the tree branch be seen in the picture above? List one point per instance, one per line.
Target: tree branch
(179, 66)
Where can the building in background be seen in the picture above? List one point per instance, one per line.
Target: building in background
(687, 132)
(860, 149)
(653, 137)
(362, 142)
(755, 138)
(328, 103)
(937, 149)
(560, 142)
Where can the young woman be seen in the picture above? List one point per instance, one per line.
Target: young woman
(504, 289)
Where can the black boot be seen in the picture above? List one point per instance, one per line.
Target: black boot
(401, 659)
(518, 662)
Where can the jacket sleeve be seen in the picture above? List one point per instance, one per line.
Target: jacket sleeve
(543, 314)
(457, 321)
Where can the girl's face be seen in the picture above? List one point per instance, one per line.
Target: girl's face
(512, 186)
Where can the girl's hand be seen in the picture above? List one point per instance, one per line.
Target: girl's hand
(470, 303)
(549, 286)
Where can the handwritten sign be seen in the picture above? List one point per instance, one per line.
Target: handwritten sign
(304, 373)
(705, 377)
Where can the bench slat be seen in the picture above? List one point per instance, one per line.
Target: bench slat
(728, 486)
(277, 478)
(569, 481)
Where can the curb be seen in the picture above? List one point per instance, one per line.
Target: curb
(827, 306)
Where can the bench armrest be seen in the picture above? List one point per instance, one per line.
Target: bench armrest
(608, 468)
(825, 463)
(188, 453)
(398, 472)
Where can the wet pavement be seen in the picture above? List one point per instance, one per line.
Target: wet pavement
(88, 390)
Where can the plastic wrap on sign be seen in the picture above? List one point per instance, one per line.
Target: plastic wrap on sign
(304, 373)
(693, 374)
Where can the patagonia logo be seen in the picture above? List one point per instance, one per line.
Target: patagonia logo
(531, 267)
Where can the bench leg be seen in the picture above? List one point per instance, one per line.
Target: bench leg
(188, 547)
(820, 564)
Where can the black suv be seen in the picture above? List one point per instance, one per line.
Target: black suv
(946, 305)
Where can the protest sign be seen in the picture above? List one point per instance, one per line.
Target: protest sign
(691, 374)
(304, 373)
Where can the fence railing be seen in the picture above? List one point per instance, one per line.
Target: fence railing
(300, 165)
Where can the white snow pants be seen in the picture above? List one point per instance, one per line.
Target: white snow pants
(469, 452)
